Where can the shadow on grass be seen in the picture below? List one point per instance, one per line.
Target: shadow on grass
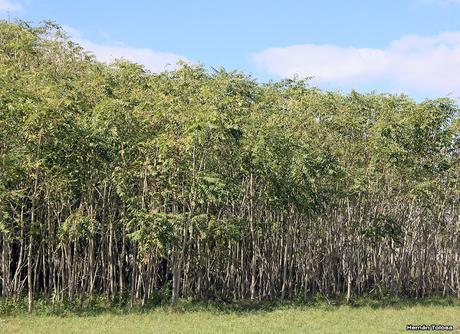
(99, 305)
(316, 302)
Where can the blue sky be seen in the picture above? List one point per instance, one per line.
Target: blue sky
(410, 46)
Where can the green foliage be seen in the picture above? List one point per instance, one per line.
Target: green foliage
(383, 227)
(155, 230)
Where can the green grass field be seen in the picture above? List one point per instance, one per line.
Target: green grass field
(288, 319)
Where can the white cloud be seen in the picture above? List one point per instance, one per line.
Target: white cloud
(428, 64)
(325, 62)
(154, 61)
(8, 6)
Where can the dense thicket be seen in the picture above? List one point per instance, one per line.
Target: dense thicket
(118, 181)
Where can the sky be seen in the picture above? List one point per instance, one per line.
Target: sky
(387, 46)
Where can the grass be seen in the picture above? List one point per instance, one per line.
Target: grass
(188, 317)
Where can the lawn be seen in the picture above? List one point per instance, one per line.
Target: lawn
(292, 319)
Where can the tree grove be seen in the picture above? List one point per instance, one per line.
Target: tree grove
(122, 182)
